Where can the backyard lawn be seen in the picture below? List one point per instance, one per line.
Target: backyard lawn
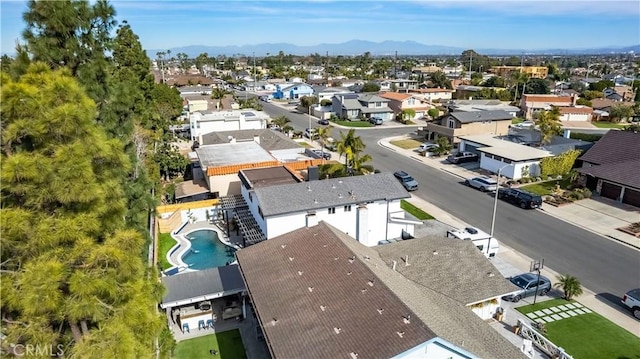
(588, 336)
(228, 345)
(165, 243)
(545, 188)
(407, 144)
(415, 211)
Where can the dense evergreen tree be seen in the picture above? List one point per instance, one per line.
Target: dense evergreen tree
(72, 273)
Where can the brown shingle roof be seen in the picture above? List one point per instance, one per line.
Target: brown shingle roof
(315, 299)
(614, 146)
(575, 110)
(625, 172)
(547, 98)
(455, 268)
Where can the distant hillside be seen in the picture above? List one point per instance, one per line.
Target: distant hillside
(358, 47)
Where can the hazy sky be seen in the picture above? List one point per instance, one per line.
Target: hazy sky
(565, 24)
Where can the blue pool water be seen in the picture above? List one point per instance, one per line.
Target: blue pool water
(207, 251)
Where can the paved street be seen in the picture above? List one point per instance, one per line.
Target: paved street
(606, 267)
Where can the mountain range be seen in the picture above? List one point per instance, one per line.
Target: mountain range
(388, 48)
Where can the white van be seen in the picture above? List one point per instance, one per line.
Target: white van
(488, 245)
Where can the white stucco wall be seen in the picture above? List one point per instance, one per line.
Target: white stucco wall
(436, 348)
(488, 309)
(224, 184)
(512, 172)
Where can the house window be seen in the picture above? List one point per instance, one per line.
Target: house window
(260, 212)
(451, 123)
(332, 210)
(411, 101)
(378, 104)
(250, 197)
(347, 208)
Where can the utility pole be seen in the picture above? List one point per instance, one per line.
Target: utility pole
(470, 62)
(524, 86)
(254, 71)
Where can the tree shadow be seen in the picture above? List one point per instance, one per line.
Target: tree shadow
(612, 301)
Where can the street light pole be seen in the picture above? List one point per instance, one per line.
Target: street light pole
(495, 199)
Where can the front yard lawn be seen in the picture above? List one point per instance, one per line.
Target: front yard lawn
(587, 336)
(227, 344)
(353, 123)
(407, 144)
(546, 188)
(603, 124)
(415, 211)
(165, 243)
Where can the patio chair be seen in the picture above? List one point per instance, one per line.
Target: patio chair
(201, 324)
(209, 323)
(185, 328)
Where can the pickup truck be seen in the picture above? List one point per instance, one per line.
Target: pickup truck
(632, 300)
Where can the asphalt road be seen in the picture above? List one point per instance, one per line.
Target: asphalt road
(604, 266)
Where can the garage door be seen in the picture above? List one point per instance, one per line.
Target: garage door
(631, 197)
(610, 190)
(472, 148)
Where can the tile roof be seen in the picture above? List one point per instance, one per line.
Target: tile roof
(269, 140)
(452, 267)
(395, 96)
(575, 110)
(327, 193)
(547, 98)
(623, 172)
(479, 116)
(315, 299)
(196, 284)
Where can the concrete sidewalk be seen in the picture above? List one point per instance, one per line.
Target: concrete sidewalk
(598, 215)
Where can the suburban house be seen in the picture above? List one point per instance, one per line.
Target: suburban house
(367, 208)
(436, 263)
(531, 104)
(601, 107)
(468, 92)
(194, 90)
(433, 94)
(428, 69)
(203, 122)
(576, 113)
(399, 102)
(221, 162)
(403, 85)
(516, 160)
(456, 124)
(326, 93)
(361, 106)
(317, 293)
(534, 72)
(292, 91)
(482, 105)
(612, 167)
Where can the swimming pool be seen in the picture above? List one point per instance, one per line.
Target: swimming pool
(207, 251)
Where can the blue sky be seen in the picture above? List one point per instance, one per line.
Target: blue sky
(565, 24)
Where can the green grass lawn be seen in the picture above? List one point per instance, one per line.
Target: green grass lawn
(407, 144)
(603, 124)
(227, 344)
(516, 121)
(545, 188)
(165, 243)
(353, 123)
(415, 211)
(588, 336)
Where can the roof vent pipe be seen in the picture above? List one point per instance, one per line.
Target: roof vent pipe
(406, 260)
(394, 265)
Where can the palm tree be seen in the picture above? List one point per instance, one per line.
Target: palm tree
(218, 94)
(324, 133)
(350, 146)
(444, 146)
(548, 123)
(570, 286)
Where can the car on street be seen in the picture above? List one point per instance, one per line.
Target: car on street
(427, 146)
(311, 132)
(407, 181)
(462, 157)
(525, 124)
(265, 98)
(320, 153)
(323, 121)
(275, 127)
(632, 300)
(520, 197)
(375, 121)
(482, 183)
(529, 285)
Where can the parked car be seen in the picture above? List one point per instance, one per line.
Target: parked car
(323, 121)
(311, 132)
(375, 121)
(407, 181)
(320, 153)
(265, 98)
(482, 183)
(529, 285)
(521, 198)
(632, 300)
(525, 124)
(275, 127)
(427, 146)
(462, 157)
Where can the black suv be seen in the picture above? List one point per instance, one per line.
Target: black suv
(520, 197)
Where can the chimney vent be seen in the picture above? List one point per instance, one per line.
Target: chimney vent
(394, 265)
(406, 260)
(323, 308)
(300, 272)
(310, 289)
(407, 319)
(371, 282)
(290, 259)
(380, 311)
(337, 330)
(400, 334)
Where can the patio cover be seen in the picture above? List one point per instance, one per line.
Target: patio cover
(194, 287)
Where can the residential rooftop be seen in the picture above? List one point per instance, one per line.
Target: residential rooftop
(506, 149)
(232, 154)
(268, 139)
(269, 176)
(480, 116)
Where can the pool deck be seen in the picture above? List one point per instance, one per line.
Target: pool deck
(176, 253)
